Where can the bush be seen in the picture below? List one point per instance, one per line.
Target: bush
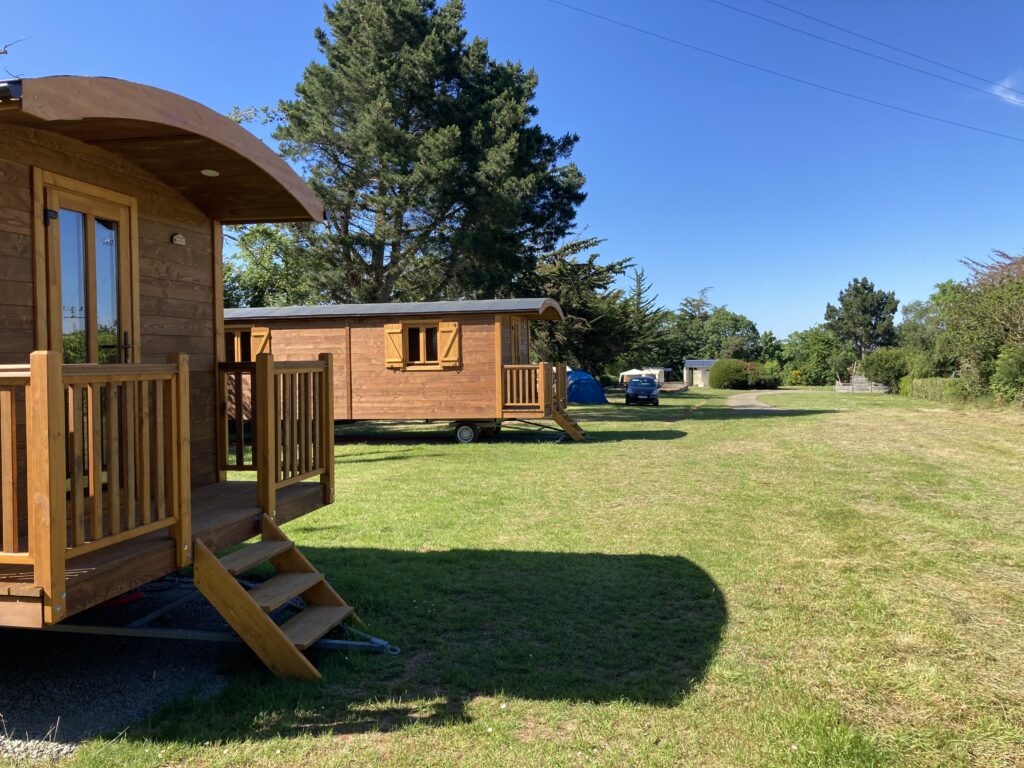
(736, 374)
(940, 390)
(1008, 377)
(767, 376)
(886, 366)
(728, 374)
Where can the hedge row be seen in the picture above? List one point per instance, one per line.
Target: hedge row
(737, 374)
(940, 390)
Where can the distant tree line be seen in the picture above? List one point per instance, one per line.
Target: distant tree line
(965, 341)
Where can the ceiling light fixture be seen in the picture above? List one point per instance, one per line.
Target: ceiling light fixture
(210, 172)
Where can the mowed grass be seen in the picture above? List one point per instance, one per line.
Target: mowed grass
(841, 584)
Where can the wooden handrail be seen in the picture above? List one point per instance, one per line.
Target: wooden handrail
(106, 459)
(292, 408)
(128, 445)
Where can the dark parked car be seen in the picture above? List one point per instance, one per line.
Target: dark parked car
(642, 390)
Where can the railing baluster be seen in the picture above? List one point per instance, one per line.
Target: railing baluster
(159, 489)
(76, 464)
(94, 435)
(144, 450)
(239, 420)
(114, 456)
(9, 468)
(129, 429)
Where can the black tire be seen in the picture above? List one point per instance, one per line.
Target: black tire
(466, 433)
(657, 403)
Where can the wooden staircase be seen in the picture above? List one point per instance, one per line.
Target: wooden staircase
(568, 424)
(248, 612)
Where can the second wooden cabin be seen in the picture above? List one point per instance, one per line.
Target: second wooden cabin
(467, 362)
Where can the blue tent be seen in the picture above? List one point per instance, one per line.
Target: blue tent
(583, 389)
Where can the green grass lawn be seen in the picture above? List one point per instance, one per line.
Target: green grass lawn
(841, 584)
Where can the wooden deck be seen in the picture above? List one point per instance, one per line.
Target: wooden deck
(223, 515)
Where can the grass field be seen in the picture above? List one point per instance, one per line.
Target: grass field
(841, 584)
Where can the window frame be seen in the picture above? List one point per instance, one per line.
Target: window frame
(49, 190)
(422, 363)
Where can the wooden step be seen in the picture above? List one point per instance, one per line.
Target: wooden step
(252, 555)
(313, 623)
(275, 592)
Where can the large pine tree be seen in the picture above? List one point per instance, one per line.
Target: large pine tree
(436, 179)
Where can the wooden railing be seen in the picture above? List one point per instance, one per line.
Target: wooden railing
(127, 430)
(278, 419)
(561, 386)
(526, 388)
(105, 459)
(236, 431)
(13, 510)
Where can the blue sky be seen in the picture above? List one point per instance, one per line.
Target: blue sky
(704, 172)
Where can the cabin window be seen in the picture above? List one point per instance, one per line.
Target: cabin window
(421, 345)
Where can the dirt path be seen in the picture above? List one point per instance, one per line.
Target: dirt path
(748, 401)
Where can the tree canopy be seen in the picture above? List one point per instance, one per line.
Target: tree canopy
(864, 317)
(436, 179)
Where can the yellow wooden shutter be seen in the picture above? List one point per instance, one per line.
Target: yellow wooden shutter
(260, 342)
(393, 347)
(448, 344)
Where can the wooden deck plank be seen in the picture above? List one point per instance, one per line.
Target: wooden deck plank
(315, 621)
(252, 555)
(278, 590)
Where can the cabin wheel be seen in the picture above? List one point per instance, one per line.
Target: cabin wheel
(466, 433)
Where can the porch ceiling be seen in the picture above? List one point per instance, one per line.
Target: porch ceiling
(171, 137)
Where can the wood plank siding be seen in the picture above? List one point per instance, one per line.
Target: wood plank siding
(364, 388)
(178, 291)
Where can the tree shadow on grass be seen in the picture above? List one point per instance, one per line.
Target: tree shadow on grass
(532, 625)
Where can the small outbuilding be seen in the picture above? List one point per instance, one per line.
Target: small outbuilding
(697, 373)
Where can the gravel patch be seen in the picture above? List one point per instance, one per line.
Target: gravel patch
(58, 689)
(748, 401)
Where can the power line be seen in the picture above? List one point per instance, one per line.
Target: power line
(904, 51)
(853, 48)
(784, 76)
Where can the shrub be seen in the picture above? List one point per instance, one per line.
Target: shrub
(940, 390)
(886, 366)
(1008, 377)
(736, 374)
(728, 374)
(766, 376)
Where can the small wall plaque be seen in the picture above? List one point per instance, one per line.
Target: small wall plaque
(178, 239)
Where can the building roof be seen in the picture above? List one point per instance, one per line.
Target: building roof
(542, 309)
(698, 363)
(175, 139)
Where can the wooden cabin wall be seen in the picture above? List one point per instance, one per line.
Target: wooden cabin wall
(178, 285)
(17, 308)
(379, 393)
(463, 393)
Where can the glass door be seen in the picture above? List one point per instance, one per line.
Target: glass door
(87, 239)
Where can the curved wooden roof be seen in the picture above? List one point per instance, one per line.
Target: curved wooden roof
(172, 137)
(537, 308)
